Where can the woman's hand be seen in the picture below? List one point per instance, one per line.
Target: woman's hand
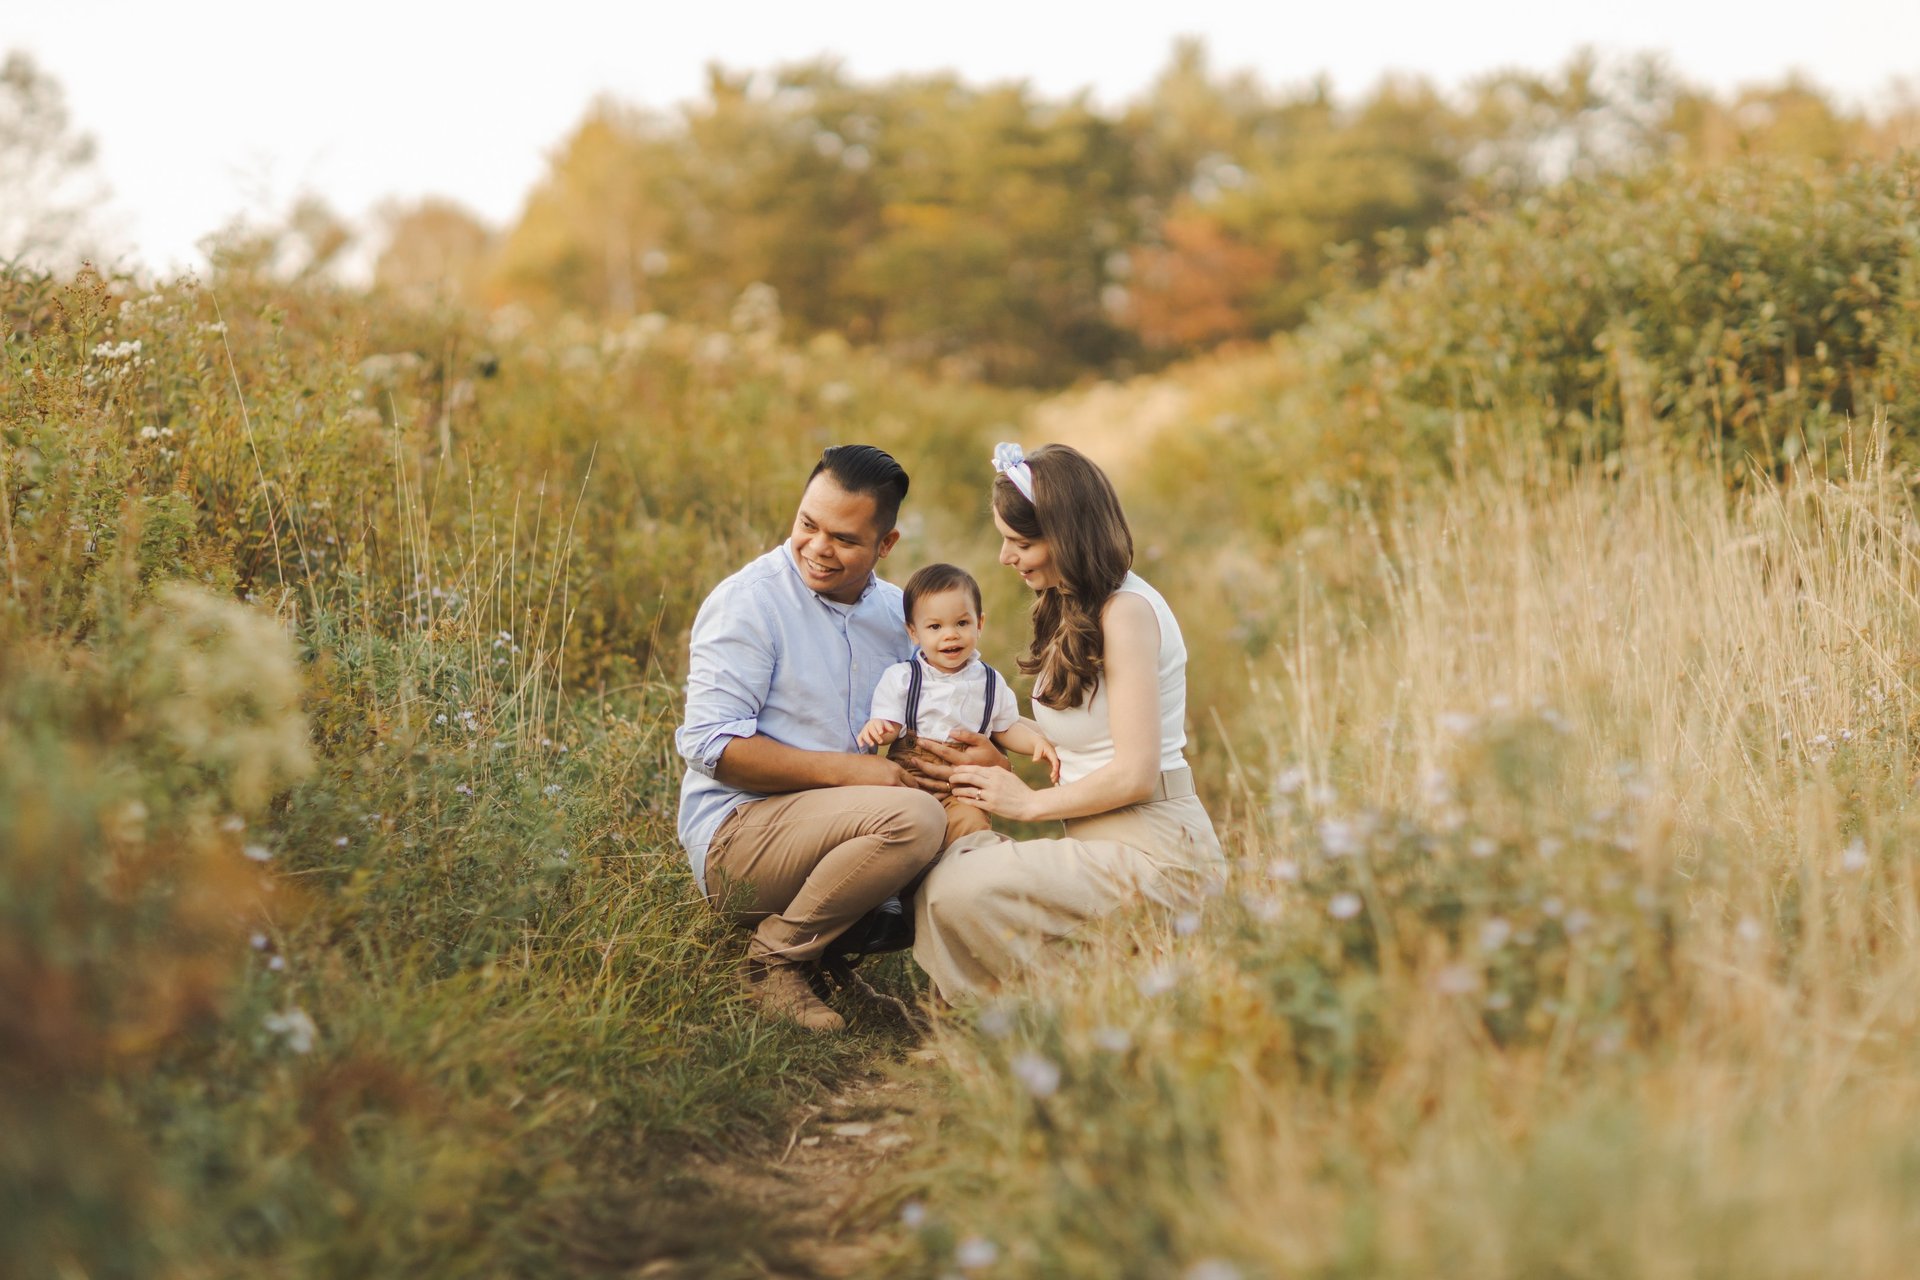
(998, 791)
(936, 761)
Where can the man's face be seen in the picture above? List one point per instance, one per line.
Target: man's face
(835, 541)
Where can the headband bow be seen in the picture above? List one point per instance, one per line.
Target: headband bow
(1010, 460)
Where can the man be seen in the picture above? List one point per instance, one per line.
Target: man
(781, 813)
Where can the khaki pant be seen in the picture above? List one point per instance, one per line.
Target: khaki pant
(963, 819)
(989, 908)
(813, 862)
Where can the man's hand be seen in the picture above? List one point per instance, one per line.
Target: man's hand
(937, 760)
(873, 771)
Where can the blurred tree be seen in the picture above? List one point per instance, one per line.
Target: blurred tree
(48, 188)
(435, 250)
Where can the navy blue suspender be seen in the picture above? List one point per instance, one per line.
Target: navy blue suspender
(913, 700)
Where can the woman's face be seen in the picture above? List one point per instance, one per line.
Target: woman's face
(1032, 558)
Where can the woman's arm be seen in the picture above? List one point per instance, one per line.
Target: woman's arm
(1132, 682)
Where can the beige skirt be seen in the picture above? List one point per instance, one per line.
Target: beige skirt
(990, 906)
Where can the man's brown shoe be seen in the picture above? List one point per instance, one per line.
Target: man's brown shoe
(782, 990)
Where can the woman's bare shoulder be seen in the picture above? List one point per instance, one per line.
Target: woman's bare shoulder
(1129, 611)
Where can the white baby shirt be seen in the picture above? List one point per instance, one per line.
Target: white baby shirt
(947, 702)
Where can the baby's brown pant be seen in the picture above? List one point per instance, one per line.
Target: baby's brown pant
(963, 819)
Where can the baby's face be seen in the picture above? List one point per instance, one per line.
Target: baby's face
(946, 627)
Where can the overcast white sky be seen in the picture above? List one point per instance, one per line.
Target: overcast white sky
(208, 108)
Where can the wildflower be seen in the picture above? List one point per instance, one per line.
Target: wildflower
(551, 789)
(1291, 780)
(1457, 723)
(1494, 933)
(1341, 838)
(1748, 929)
(441, 718)
(1284, 869)
(233, 823)
(258, 853)
(1436, 788)
(1211, 1269)
(1186, 924)
(463, 790)
(1112, 1039)
(1040, 1075)
(1265, 908)
(976, 1252)
(1482, 847)
(1854, 858)
(258, 941)
(149, 433)
(996, 1021)
(1158, 981)
(1456, 980)
(1344, 906)
(1550, 846)
(913, 1215)
(295, 1026)
(339, 842)
(276, 963)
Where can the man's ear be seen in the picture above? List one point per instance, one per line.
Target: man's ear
(886, 543)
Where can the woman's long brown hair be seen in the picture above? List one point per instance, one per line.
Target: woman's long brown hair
(1075, 511)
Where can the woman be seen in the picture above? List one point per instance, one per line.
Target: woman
(1110, 690)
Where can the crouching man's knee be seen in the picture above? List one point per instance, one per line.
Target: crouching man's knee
(919, 825)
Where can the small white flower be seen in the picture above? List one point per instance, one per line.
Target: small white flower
(258, 853)
(996, 1021)
(1186, 924)
(463, 790)
(1579, 920)
(1339, 838)
(1553, 907)
(1284, 869)
(1457, 723)
(551, 789)
(1291, 780)
(295, 1026)
(1264, 907)
(233, 823)
(976, 1252)
(258, 941)
(1158, 981)
(1344, 906)
(1550, 847)
(1854, 857)
(1494, 933)
(1483, 846)
(1211, 1269)
(149, 433)
(913, 1215)
(339, 842)
(276, 963)
(1748, 929)
(1040, 1075)
(1112, 1039)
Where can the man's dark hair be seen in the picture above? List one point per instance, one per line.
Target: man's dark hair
(861, 468)
(937, 577)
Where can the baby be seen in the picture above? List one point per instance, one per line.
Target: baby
(945, 686)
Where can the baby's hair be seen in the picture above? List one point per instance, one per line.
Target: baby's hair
(934, 578)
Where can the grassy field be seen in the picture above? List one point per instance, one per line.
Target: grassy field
(1555, 638)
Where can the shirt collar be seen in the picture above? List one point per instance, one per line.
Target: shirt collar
(938, 674)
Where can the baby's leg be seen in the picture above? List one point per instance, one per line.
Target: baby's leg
(963, 819)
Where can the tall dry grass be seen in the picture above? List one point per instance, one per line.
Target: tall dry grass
(1573, 932)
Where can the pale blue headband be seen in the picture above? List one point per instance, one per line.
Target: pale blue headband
(1010, 460)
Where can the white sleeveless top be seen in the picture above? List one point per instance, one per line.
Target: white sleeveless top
(1084, 733)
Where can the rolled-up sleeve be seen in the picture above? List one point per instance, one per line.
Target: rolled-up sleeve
(730, 665)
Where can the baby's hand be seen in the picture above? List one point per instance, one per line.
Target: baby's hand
(1045, 750)
(877, 733)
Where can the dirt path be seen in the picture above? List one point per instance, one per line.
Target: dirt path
(824, 1193)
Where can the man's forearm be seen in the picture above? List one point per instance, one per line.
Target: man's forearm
(773, 768)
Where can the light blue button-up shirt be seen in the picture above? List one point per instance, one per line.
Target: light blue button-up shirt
(771, 656)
